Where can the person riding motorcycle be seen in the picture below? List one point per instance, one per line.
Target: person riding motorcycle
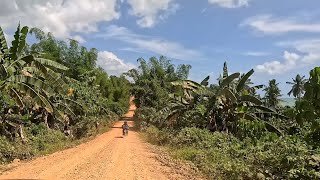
(125, 128)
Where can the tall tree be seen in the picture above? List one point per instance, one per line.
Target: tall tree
(297, 89)
(272, 94)
(152, 80)
(78, 58)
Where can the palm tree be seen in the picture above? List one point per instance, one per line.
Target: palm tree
(272, 94)
(297, 89)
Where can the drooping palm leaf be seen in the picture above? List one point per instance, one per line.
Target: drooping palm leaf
(178, 99)
(273, 128)
(16, 97)
(65, 108)
(252, 99)
(70, 101)
(3, 71)
(244, 79)
(3, 43)
(52, 64)
(187, 84)
(55, 81)
(36, 96)
(246, 116)
(32, 81)
(226, 92)
(205, 81)
(229, 79)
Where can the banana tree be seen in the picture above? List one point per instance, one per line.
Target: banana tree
(28, 77)
(234, 102)
(193, 95)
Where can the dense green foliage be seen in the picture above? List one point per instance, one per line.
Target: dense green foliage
(51, 93)
(229, 132)
(152, 81)
(223, 156)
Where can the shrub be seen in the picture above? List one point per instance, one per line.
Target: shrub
(160, 137)
(144, 117)
(87, 126)
(223, 156)
(10, 150)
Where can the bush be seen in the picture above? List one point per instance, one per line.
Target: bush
(200, 138)
(250, 129)
(10, 150)
(43, 139)
(7, 150)
(223, 156)
(159, 137)
(88, 126)
(118, 108)
(192, 118)
(144, 117)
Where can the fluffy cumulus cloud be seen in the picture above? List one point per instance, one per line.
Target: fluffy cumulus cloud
(277, 67)
(152, 44)
(230, 3)
(310, 48)
(307, 54)
(62, 17)
(112, 64)
(269, 24)
(151, 11)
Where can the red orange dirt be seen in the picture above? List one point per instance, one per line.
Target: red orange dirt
(109, 156)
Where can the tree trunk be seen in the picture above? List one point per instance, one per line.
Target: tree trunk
(24, 140)
(45, 118)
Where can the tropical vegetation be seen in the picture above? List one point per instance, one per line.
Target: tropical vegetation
(52, 93)
(228, 130)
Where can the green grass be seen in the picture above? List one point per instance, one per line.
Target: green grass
(42, 141)
(223, 156)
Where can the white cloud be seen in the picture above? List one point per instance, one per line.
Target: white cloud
(307, 54)
(151, 11)
(152, 44)
(309, 47)
(230, 3)
(273, 25)
(255, 53)
(291, 60)
(78, 38)
(112, 64)
(62, 17)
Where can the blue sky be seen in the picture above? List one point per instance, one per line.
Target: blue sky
(277, 38)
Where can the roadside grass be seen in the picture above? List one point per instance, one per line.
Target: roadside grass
(223, 156)
(42, 141)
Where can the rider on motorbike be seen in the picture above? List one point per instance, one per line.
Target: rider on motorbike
(125, 128)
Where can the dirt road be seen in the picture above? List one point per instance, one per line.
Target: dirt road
(108, 156)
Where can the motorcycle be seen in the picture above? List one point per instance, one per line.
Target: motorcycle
(125, 132)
